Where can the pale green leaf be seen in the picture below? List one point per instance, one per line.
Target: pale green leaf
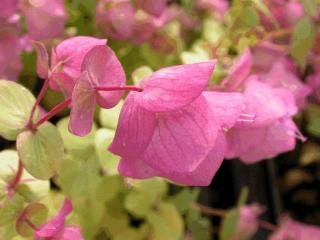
(141, 73)
(16, 103)
(311, 7)
(109, 117)
(41, 151)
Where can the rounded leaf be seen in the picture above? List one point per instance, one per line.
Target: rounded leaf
(41, 151)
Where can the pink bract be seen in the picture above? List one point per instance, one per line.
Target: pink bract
(56, 229)
(45, 18)
(248, 222)
(116, 18)
(100, 67)
(155, 8)
(66, 61)
(8, 8)
(290, 229)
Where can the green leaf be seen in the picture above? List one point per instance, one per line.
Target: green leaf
(250, 17)
(243, 197)
(302, 41)
(16, 103)
(166, 223)
(108, 160)
(313, 116)
(78, 146)
(109, 117)
(90, 5)
(261, 6)
(229, 224)
(184, 199)
(311, 7)
(138, 204)
(140, 73)
(31, 190)
(36, 213)
(10, 209)
(41, 151)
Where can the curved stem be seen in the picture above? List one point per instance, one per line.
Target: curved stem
(209, 211)
(268, 226)
(119, 88)
(53, 112)
(30, 224)
(14, 183)
(38, 100)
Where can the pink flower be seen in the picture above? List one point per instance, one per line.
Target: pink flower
(100, 68)
(45, 18)
(155, 8)
(293, 230)
(66, 61)
(281, 75)
(170, 128)
(10, 50)
(219, 6)
(248, 222)
(8, 8)
(55, 229)
(116, 18)
(272, 131)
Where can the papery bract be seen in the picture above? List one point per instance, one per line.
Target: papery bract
(290, 229)
(66, 61)
(8, 8)
(281, 75)
(155, 8)
(100, 67)
(45, 18)
(116, 18)
(248, 222)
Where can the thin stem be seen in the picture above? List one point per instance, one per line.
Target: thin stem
(209, 210)
(30, 224)
(39, 98)
(18, 176)
(119, 88)
(53, 112)
(268, 226)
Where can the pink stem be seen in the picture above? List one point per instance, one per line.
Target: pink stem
(30, 224)
(266, 225)
(39, 98)
(53, 112)
(119, 88)
(18, 176)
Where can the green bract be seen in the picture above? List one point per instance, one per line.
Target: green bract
(16, 103)
(41, 151)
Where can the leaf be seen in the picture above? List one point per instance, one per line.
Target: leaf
(11, 207)
(41, 151)
(138, 204)
(32, 189)
(302, 41)
(183, 199)
(311, 7)
(243, 197)
(35, 213)
(108, 160)
(90, 5)
(16, 103)
(166, 223)
(313, 116)
(229, 224)
(261, 6)
(78, 146)
(141, 73)
(109, 117)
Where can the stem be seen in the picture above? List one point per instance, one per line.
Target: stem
(30, 224)
(38, 100)
(209, 210)
(119, 88)
(277, 33)
(53, 112)
(268, 226)
(18, 176)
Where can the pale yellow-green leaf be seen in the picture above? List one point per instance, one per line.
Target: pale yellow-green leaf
(109, 117)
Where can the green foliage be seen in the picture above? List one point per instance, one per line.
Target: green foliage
(109, 117)
(311, 7)
(41, 151)
(313, 114)
(141, 73)
(16, 103)
(302, 41)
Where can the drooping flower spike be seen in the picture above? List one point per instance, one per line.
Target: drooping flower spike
(66, 61)
(170, 128)
(55, 229)
(101, 81)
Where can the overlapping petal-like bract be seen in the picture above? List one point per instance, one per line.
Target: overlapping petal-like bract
(116, 18)
(281, 76)
(100, 67)
(155, 8)
(8, 8)
(290, 229)
(66, 61)
(182, 139)
(45, 18)
(273, 130)
(55, 229)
